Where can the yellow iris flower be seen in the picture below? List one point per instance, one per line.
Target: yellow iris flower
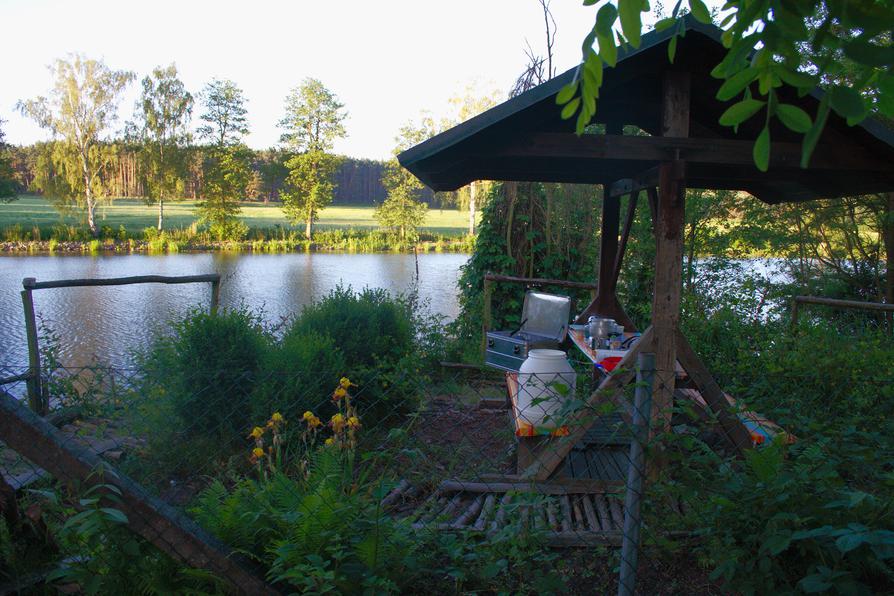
(256, 433)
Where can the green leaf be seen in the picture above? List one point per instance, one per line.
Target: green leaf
(736, 83)
(850, 541)
(630, 12)
(665, 23)
(608, 51)
(114, 515)
(582, 121)
(793, 117)
(795, 78)
(761, 151)
(570, 108)
(672, 49)
(700, 11)
(591, 2)
(741, 111)
(847, 102)
(776, 543)
(566, 93)
(886, 85)
(813, 135)
(594, 65)
(815, 583)
(605, 20)
(869, 54)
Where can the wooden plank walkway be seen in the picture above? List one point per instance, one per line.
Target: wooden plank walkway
(561, 517)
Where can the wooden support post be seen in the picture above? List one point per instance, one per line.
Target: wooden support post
(669, 250)
(608, 249)
(652, 194)
(605, 302)
(35, 391)
(171, 531)
(733, 428)
(215, 295)
(625, 236)
(556, 450)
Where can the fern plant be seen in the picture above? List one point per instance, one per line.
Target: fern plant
(322, 532)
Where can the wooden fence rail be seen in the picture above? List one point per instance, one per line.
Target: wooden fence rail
(170, 530)
(38, 398)
(834, 303)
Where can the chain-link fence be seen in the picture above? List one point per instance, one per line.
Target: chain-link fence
(449, 479)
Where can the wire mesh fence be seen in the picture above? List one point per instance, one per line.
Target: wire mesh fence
(455, 479)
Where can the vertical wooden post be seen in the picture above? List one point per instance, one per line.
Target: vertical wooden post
(35, 394)
(215, 295)
(608, 241)
(486, 313)
(608, 250)
(669, 249)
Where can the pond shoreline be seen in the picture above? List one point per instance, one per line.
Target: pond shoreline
(130, 246)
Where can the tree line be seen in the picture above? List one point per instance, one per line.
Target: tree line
(159, 158)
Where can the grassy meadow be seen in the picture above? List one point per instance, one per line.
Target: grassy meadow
(30, 211)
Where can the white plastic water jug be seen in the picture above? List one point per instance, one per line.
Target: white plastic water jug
(539, 394)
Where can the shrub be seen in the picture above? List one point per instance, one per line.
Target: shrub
(787, 523)
(375, 335)
(209, 368)
(297, 374)
(368, 327)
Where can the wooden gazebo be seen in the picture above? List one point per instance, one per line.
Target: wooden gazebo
(525, 139)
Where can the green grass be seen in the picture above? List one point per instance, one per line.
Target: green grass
(29, 211)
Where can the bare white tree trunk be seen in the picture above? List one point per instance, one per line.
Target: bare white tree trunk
(88, 193)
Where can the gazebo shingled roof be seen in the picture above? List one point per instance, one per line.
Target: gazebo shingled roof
(524, 138)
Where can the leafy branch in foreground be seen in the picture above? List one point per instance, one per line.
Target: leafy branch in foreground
(848, 47)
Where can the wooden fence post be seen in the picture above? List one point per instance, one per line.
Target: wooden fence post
(35, 392)
(215, 295)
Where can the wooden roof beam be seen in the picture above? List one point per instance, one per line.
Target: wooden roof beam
(692, 150)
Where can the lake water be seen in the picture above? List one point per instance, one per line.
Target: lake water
(111, 322)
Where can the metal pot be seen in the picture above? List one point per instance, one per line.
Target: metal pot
(601, 328)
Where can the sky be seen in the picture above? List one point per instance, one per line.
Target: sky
(386, 60)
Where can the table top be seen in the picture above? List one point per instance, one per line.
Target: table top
(595, 356)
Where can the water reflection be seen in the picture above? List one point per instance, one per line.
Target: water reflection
(110, 322)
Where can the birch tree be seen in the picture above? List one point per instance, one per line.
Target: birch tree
(224, 117)
(313, 121)
(79, 110)
(469, 105)
(164, 112)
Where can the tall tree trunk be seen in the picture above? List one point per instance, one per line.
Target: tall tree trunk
(88, 193)
(161, 214)
(473, 188)
(309, 227)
